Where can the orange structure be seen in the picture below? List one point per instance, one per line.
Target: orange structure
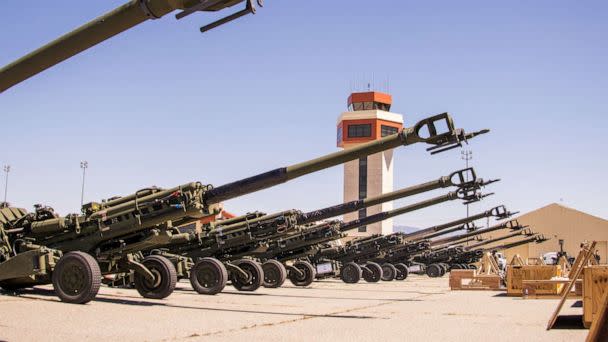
(368, 118)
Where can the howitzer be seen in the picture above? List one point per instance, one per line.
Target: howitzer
(304, 247)
(474, 255)
(525, 232)
(395, 261)
(512, 225)
(114, 231)
(499, 213)
(108, 25)
(255, 234)
(440, 259)
(357, 257)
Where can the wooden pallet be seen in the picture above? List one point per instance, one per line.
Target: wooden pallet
(516, 275)
(599, 327)
(577, 269)
(594, 286)
(469, 280)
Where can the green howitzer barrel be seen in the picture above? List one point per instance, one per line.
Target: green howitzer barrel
(496, 239)
(499, 212)
(475, 255)
(512, 224)
(441, 141)
(106, 26)
(267, 226)
(535, 239)
(467, 195)
(462, 179)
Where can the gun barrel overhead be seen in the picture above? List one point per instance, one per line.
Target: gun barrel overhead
(425, 131)
(96, 31)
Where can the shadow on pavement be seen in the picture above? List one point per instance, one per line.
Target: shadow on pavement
(569, 322)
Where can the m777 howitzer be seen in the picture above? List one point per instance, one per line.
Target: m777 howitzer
(356, 258)
(499, 213)
(439, 258)
(471, 256)
(395, 261)
(512, 225)
(111, 234)
(308, 256)
(222, 251)
(108, 25)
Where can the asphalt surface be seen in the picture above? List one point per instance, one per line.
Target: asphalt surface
(418, 309)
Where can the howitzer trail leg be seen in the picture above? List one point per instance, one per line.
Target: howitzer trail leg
(372, 272)
(76, 278)
(254, 275)
(274, 274)
(402, 271)
(305, 275)
(208, 276)
(164, 278)
(389, 272)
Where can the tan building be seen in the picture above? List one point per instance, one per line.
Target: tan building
(559, 222)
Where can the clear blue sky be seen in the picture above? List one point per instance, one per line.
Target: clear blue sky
(163, 104)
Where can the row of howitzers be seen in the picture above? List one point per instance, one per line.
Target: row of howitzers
(143, 239)
(150, 239)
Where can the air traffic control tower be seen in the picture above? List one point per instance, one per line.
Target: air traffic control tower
(368, 118)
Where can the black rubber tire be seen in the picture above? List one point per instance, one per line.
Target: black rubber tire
(456, 267)
(376, 272)
(76, 278)
(351, 273)
(208, 276)
(444, 268)
(433, 270)
(309, 274)
(165, 274)
(275, 274)
(402, 271)
(472, 267)
(389, 272)
(256, 275)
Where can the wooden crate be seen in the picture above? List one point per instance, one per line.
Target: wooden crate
(470, 280)
(595, 283)
(517, 274)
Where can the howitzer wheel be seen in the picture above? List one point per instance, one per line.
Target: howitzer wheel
(308, 274)
(76, 278)
(433, 270)
(165, 278)
(402, 271)
(351, 273)
(444, 268)
(375, 273)
(255, 275)
(208, 276)
(456, 267)
(389, 272)
(472, 267)
(275, 273)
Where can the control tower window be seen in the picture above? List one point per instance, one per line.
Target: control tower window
(360, 131)
(387, 130)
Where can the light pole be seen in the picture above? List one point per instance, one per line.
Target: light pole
(7, 169)
(466, 155)
(83, 165)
